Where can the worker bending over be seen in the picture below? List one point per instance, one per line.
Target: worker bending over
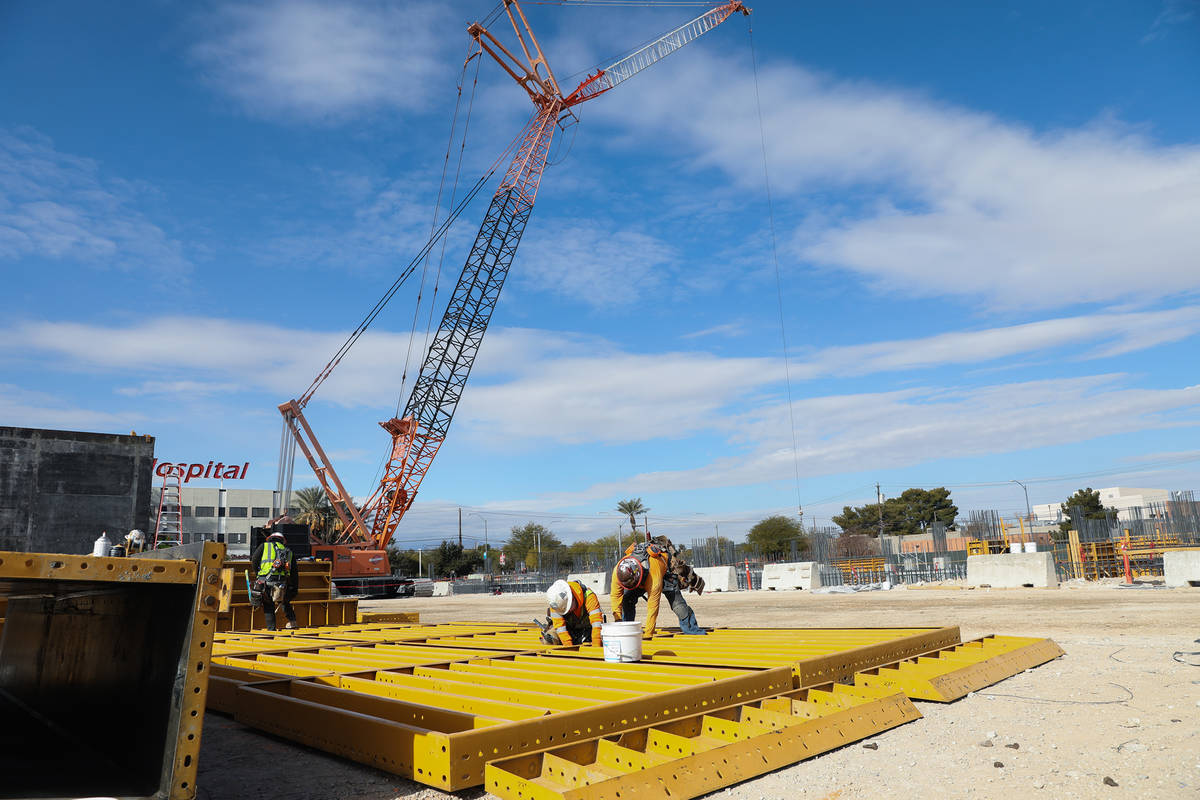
(645, 571)
(277, 579)
(574, 612)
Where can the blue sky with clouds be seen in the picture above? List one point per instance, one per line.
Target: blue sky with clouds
(985, 218)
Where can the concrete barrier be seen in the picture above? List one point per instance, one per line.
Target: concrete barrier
(442, 589)
(1181, 567)
(718, 579)
(1012, 570)
(792, 575)
(598, 582)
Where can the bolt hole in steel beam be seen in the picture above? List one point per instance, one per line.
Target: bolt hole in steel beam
(82, 640)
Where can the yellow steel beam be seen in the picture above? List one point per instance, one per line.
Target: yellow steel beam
(949, 674)
(56, 566)
(744, 750)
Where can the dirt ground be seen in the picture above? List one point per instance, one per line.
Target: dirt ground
(1118, 706)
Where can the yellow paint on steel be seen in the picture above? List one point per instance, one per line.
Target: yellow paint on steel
(443, 681)
(534, 683)
(438, 699)
(56, 566)
(947, 675)
(690, 757)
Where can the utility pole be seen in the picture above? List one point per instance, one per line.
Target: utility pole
(1028, 512)
(460, 528)
(879, 498)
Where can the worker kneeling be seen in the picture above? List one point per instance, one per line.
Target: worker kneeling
(645, 571)
(574, 612)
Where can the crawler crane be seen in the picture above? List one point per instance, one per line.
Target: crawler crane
(359, 553)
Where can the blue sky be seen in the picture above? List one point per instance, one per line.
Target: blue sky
(985, 217)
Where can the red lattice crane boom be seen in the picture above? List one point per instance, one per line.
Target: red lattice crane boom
(420, 430)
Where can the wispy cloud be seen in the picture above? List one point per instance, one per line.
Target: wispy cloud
(61, 207)
(1175, 12)
(728, 329)
(32, 409)
(841, 433)
(318, 59)
(528, 382)
(939, 200)
(595, 264)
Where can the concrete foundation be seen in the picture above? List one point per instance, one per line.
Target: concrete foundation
(718, 579)
(1182, 567)
(1012, 570)
(792, 575)
(598, 582)
(60, 489)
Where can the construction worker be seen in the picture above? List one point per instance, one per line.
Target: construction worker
(645, 570)
(574, 612)
(277, 581)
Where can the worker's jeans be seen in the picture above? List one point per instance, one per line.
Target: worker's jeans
(674, 596)
(268, 605)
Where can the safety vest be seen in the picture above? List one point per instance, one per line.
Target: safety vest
(644, 551)
(276, 561)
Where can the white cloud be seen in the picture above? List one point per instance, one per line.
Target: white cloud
(322, 59)
(842, 433)
(595, 264)
(57, 206)
(30, 409)
(957, 202)
(1096, 336)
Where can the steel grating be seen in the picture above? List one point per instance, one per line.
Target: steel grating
(953, 672)
(816, 655)
(440, 725)
(699, 754)
(438, 702)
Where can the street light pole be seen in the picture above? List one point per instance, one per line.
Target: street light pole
(1028, 511)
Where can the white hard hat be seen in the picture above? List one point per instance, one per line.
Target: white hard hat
(559, 596)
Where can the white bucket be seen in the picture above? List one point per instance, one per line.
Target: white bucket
(1031, 547)
(622, 641)
(1014, 547)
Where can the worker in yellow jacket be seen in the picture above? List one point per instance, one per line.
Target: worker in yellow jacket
(645, 571)
(574, 612)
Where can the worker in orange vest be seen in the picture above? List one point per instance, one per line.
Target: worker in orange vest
(574, 612)
(645, 571)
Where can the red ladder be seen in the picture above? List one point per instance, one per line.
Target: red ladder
(168, 527)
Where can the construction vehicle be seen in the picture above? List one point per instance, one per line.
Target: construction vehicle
(359, 551)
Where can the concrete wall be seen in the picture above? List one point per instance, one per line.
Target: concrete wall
(60, 489)
(792, 575)
(1181, 567)
(718, 579)
(1012, 570)
(442, 589)
(598, 582)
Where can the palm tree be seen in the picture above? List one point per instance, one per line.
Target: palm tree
(316, 511)
(632, 508)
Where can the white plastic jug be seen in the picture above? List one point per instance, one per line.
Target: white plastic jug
(622, 641)
(102, 545)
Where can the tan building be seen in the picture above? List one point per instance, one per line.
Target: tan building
(214, 514)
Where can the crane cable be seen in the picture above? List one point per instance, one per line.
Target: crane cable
(775, 256)
(357, 333)
(433, 223)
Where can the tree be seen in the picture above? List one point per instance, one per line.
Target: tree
(918, 509)
(1085, 503)
(632, 508)
(404, 562)
(773, 536)
(523, 540)
(914, 511)
(316, 512)
(450, 560)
